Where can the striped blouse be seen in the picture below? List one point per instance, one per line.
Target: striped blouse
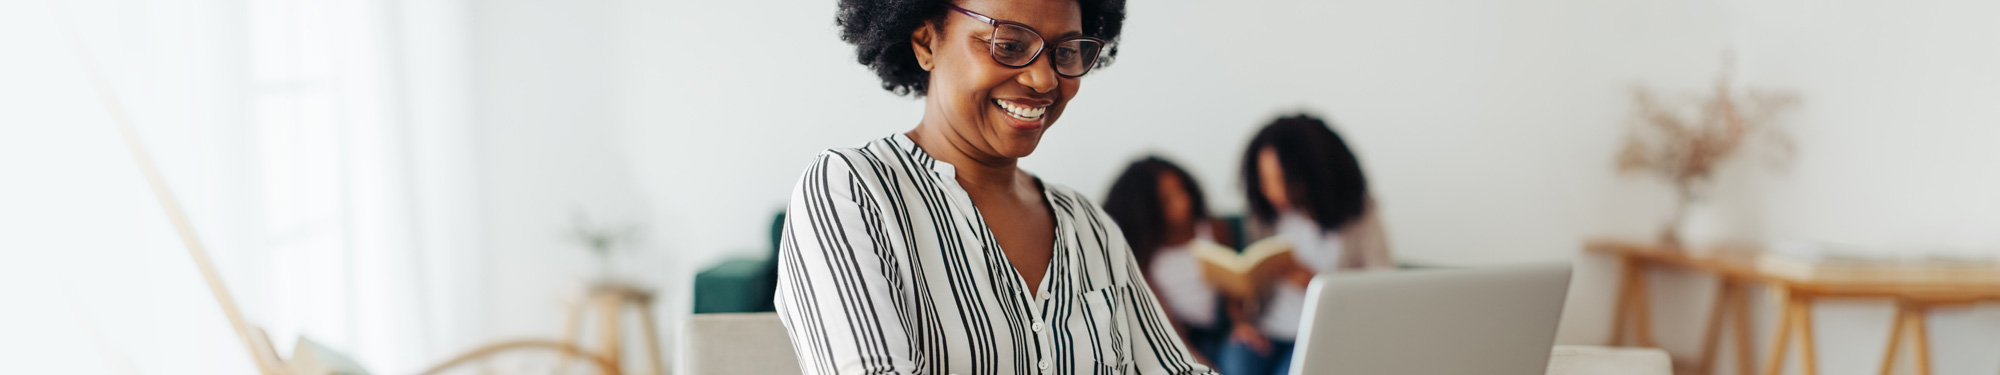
(886, 267)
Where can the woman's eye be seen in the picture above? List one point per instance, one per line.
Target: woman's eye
(1063, 55)
(1011, 46)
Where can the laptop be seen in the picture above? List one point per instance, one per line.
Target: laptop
(1499, 320)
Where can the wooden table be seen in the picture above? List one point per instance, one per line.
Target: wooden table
(1737, 267)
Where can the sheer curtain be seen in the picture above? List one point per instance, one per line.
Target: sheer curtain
(363, 160)
(321, 147)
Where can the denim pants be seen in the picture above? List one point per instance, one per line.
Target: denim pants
(1238, 359)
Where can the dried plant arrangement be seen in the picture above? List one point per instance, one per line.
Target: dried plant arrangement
(1685, 141)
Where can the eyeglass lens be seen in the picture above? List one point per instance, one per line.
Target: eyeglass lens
(1016, 46)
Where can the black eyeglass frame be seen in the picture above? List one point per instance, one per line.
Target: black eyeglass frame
(992, 38)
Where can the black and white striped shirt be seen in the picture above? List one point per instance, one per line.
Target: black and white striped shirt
(887, 268)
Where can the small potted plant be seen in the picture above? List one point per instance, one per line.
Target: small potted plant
(602, 241)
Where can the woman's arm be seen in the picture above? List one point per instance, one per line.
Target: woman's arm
(834, 296)
(1158, 348)
(1180, 328)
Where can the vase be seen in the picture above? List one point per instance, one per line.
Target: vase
(1697, 221)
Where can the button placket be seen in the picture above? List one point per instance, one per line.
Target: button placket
(1058, 277)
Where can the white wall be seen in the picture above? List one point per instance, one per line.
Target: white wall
(1896, 134)
(545, 98)
(1487, 128)
(1900, 124)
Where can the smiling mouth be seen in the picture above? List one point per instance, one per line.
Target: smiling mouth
(1024, 113)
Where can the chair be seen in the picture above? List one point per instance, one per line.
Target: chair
(736, 344)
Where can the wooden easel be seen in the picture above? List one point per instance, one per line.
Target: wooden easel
(253, 338)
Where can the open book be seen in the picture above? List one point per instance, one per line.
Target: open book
(1245, 274)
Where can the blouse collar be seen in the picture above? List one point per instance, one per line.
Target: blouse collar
(909, 147)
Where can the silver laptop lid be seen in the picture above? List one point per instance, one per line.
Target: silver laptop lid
(1499, 320)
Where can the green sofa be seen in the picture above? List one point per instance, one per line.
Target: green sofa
(741, 284)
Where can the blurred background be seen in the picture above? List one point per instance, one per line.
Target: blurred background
(406, 180)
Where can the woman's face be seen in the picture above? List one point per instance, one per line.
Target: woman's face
(1175, 207)
(997, 110)
(1271, 179)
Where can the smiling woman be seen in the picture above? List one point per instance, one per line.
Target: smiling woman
(931, 251)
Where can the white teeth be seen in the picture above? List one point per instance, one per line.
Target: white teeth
(1021, 112)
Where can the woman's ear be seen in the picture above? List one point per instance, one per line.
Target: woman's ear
(920, 42)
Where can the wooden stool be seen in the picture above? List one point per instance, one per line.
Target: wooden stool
(610, 300)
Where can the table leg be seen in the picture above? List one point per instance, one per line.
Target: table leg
(1627, 269)
(1713, 334)
(570, 330)
(1922, 342)
(1745, 345)
(652, 336)
(1784, 336)
(1642, 302)
(609, 329)
(1895, 339)
(1808, 357)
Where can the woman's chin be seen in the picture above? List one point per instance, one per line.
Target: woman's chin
(1015, 141)
(1016, 149)
(1016, 145)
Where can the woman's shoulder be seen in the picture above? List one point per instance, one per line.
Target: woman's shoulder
(875, 155)
(864, 168)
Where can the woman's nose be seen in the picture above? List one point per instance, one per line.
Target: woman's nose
(1038, 76)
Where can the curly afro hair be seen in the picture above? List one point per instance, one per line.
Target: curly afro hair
(880, 32)
(1325, 177)
(1135, 204)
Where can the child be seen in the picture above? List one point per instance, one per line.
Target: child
(1301, 181)
(1162, 213)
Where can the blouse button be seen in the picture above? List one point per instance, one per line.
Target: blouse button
(1044, 365)
(1037, 327)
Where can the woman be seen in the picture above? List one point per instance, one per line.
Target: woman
(1302, 182)
(930, 251)
(1163, 214)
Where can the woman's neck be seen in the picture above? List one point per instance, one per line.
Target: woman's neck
(974, 169)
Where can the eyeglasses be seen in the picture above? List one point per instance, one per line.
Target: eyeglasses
(1015, 45)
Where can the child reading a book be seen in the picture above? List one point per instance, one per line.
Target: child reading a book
(1303, 184)
(1160, 209)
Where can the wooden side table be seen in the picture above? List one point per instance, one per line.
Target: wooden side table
(1738, 267)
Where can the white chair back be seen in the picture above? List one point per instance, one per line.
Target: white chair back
(736, 344)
